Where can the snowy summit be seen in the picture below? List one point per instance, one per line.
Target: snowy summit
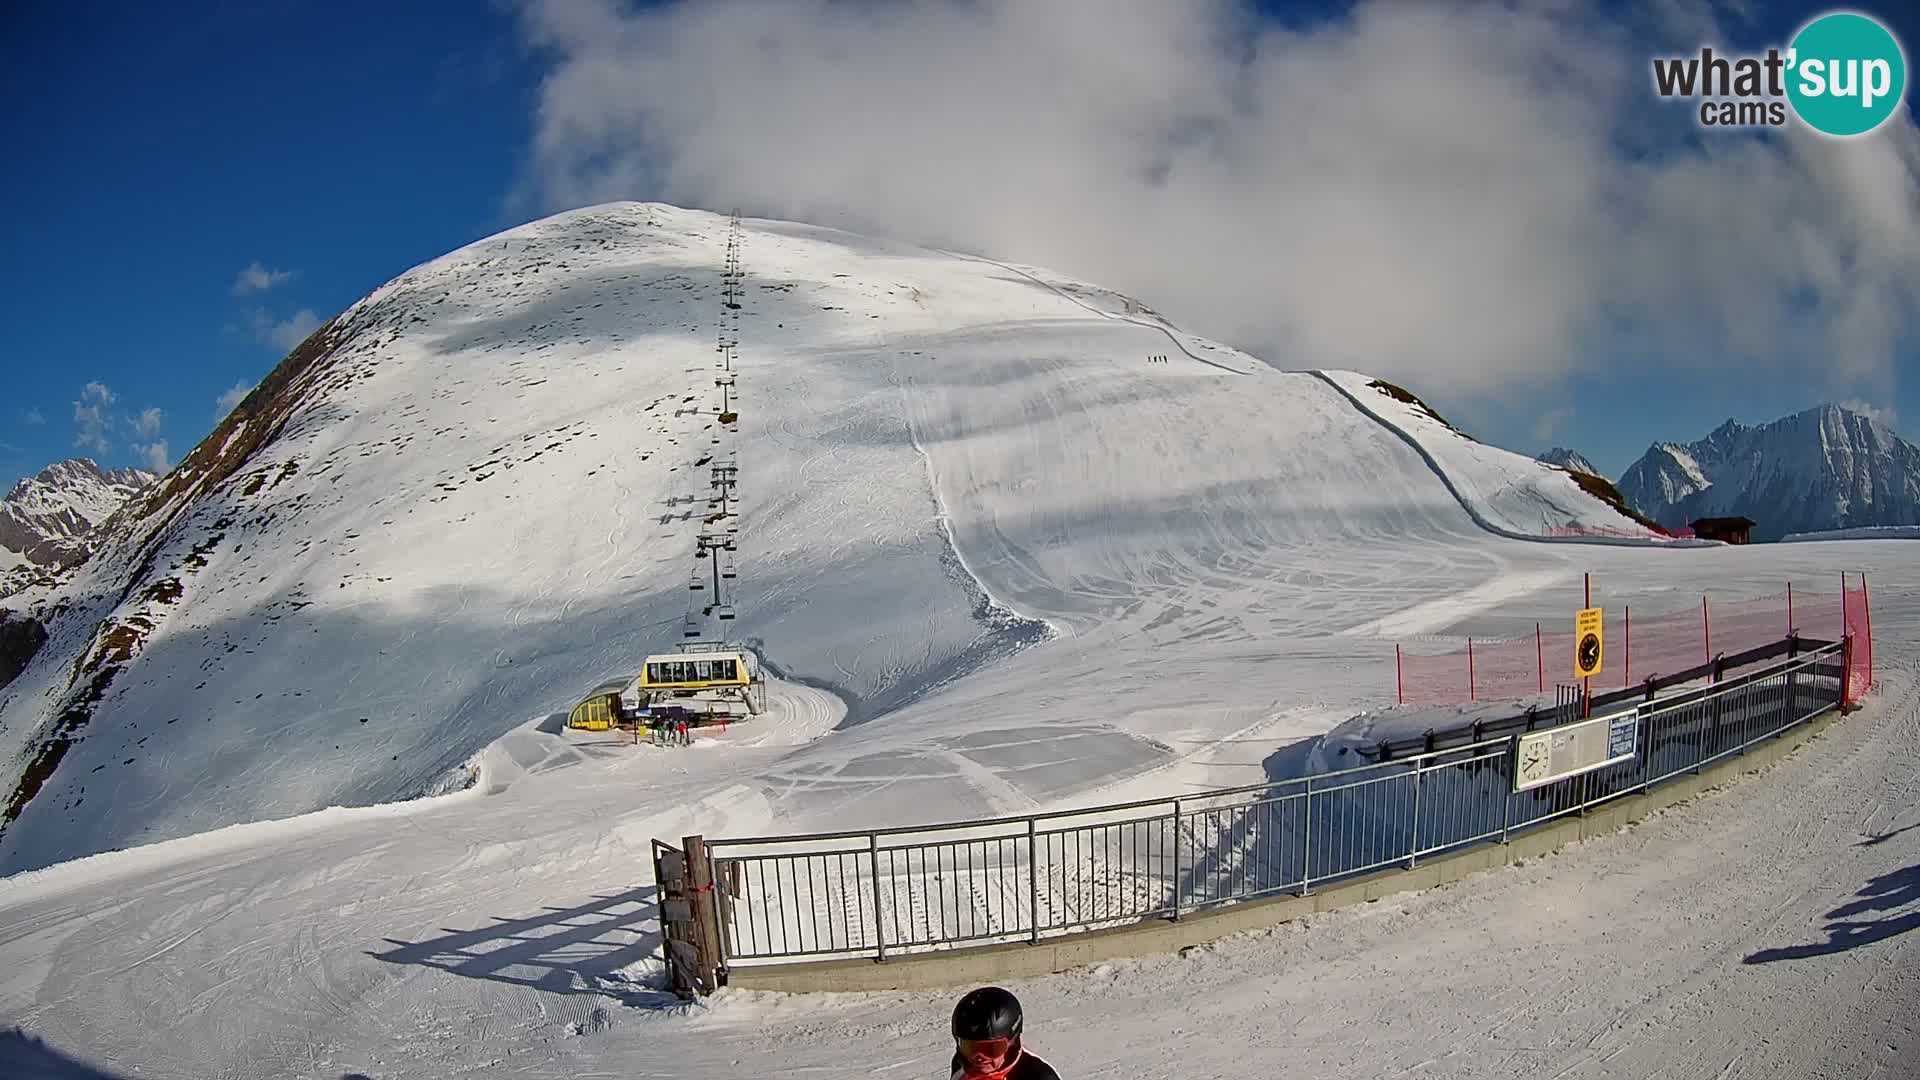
(473, 495)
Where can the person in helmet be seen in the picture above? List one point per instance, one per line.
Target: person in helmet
(986, 1039)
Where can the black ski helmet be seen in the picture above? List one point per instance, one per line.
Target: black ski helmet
(987, 1013)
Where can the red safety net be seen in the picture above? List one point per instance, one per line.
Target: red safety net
(1638, 645)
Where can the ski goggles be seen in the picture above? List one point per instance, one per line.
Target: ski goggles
(985, 1051)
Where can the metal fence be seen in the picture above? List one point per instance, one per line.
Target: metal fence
(890, 891)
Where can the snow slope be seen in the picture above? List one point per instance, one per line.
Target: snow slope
(514, 933)
(1217, 556)
(469, 497)
(1507, 492)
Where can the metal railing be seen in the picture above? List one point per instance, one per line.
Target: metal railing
(923, 888)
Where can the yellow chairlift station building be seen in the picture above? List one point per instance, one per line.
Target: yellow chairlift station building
(695, 671)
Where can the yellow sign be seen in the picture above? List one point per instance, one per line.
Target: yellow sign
(1587, 638)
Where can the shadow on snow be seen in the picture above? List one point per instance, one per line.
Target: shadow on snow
(1846, 930)
(584, 949)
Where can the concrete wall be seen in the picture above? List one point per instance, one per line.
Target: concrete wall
(996, 963)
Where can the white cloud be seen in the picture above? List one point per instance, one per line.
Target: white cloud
(147, 424)
(1881, 413)
(286, 333)
(90, 420)
(233, 397)
(1477, 198)
(153, 456)
(258, 278)
(36, 417)
(291, 331)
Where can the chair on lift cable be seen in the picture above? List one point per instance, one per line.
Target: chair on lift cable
(727, 568)
(726, 611)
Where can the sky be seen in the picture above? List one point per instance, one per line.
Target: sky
(1485, 202)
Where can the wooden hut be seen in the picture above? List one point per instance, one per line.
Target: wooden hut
(1730, 530)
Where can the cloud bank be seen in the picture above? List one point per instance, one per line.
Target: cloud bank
(1484, 198)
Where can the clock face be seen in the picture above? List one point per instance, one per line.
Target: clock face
(1533, 761)
(1589, 652)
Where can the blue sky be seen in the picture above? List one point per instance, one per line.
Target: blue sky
(193, 186)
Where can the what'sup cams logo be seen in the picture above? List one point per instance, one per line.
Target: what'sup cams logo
(1843, 75)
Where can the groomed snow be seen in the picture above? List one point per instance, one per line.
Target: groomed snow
(1870, 532)
(1221, 560)
(1507, 492)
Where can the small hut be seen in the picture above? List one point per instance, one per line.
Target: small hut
(1729, 530)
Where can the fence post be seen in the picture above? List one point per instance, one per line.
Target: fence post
(1179, 888)
(1646, 756)
(1706, 628)
(1399, 677)
(1306, 840)
(1628, 680)
(1846, 666)
(879, 924)
(1789, 608)
(1033, 883)
(1506, 789)
(1539, 660)
(1470, 687)
(1413, 840)
(706, 932)
(1866, 613)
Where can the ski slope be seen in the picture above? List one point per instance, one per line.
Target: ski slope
(1001, 560)
(1505, 492)
(483, 496)
(512, 932)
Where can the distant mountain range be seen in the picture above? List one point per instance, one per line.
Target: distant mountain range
(48, 521)
(1822, 469)
(1569, 459)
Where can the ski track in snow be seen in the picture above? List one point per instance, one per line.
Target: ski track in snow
(1222, 589)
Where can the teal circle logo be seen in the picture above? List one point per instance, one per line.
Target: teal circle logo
(1847, 74)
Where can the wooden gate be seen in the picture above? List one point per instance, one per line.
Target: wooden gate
(689, 917)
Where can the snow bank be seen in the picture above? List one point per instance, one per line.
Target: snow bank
(1871, 532)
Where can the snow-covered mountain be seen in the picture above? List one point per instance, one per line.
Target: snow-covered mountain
(47, 522)
(1822, 469)
(476, 493)
(1569, 459)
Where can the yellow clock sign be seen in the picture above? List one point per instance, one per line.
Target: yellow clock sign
(1587, 638)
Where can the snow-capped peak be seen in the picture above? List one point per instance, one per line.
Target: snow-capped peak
(47, 520)
(1824, 468)
(1572, 460)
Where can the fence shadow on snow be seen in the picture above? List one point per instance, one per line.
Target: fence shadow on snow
(589, 948)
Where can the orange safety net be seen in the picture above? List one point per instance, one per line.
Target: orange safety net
(1638, 646)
